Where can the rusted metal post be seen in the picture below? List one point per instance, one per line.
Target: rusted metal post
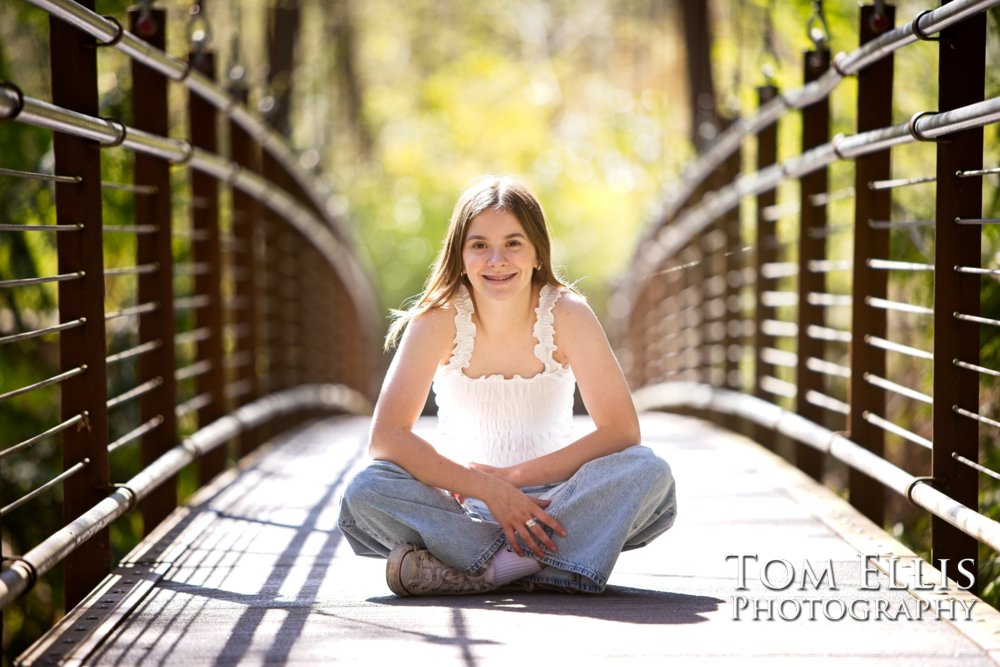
(812, 246)
(270, 291)
(961, 78)
(637, 341)
(874, 110)
(766, 252)
(74, 86)
(696, 361)
(671, 284)
(655, 352)
(296, 290)
(278, 263)
(733, 273)
(206, 251)
(276, 268)
(713, 247)
(730, 272)
(246, 223)
(151, 113)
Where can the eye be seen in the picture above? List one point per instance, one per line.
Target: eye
(514, 243)
(477, 245)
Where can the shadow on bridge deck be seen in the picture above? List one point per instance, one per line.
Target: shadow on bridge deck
(254, 570)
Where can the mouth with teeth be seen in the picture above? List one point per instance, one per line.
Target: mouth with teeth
(499, 278)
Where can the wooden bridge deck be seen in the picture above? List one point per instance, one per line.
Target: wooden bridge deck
(255, 571)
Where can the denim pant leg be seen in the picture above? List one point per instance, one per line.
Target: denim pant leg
(612, 504)
(384, 506)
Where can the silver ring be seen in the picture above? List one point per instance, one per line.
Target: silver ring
(530, 523)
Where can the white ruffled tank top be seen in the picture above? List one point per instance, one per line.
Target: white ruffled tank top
(503, 421)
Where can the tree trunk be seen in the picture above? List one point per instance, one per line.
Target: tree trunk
(698, 41)
(282, 37)
(341, 29)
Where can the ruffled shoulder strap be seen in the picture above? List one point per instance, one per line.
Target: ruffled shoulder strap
(545, 327)
(465, 329)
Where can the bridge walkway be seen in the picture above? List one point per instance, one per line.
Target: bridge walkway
(253, 570)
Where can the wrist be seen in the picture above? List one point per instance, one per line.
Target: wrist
(516, 475)
(486, 485)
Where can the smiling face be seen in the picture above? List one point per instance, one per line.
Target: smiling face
(497, 255)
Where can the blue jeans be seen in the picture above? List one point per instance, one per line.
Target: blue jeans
(612, 504)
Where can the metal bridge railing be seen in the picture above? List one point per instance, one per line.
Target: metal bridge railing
(242, 304)
(786, 306)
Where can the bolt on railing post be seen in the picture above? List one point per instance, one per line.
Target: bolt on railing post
(874, 110)
(206, 251)
(811, 246)
(766, 252)
(246, 221)
(74, 86)
(961, 77)
(151, 114)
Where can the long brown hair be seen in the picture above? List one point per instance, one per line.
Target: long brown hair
(483, 194)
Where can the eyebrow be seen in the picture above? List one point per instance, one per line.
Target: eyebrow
(480, 237)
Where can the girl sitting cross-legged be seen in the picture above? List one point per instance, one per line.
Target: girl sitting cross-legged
(507, 493)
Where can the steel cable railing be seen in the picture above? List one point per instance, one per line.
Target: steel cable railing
(212, 311)
(25, 570)
(835, 351)
(922, 27)
(925, 126)
(16, 106)
(110, 32)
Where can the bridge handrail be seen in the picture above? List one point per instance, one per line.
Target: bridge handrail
(696, 396)
(844, 64)
(727, 313)
(114, 35)
(277, 317)
(923, 126)
(16, 106)
(24, 570)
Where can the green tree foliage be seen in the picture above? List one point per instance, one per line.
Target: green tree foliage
(579, 100)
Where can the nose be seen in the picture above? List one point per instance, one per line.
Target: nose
(497, 256)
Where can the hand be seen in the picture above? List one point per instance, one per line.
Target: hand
(512, 509)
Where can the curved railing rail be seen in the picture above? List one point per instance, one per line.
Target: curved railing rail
(803, 317)
(235, 304)
(110, 32)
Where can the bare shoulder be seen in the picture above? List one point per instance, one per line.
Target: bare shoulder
(578, 333)
(572, 310)
(432, 332)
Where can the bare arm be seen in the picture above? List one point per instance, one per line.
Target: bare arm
(426, 341)
(605, 394)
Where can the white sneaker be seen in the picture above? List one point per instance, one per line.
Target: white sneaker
(415, 571)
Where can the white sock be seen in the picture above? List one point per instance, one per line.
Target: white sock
(508, 566)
